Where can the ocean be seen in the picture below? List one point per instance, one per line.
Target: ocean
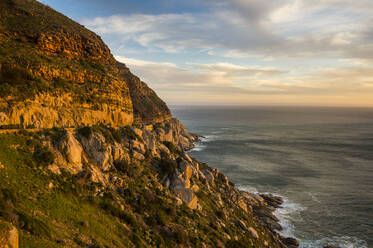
(320, 160)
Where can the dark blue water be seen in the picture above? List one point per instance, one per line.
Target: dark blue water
(319, 159)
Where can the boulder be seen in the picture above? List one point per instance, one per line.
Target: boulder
(253, 232)
(241, 225)
(138, 156)
(219, 200)
(98, 151)
(203, 179)
(138, 146)
(272, 200)
(242, 204)
(195, 188)
(179, 186)
(209, 177)
(9, 237)
(150, 142)
(224, 179)
(186, 172)
(267, 218)
(73, 151)
(119, 153)
(137, 131)
(290, 242)
(188, 197)
(188, 158)
(253, 199)
(163, 148)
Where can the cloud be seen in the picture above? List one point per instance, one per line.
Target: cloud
(195, 74)
(313, 51)
(226, 82)
(251, 28)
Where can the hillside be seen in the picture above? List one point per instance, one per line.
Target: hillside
(70, 75)
(91, 157)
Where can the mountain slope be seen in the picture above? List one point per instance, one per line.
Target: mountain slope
(70, 75)
(147, 106)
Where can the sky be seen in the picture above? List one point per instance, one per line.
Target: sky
(240, 52)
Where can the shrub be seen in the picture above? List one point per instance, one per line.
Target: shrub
(173, 149)
(56, 134)
(110, 134)
(43, 156)
(137, 240)
(11, 126)
(129, 133)
(34, 226)
(161, 218)
(12, 74)
(168, 166)
(181, 234)
(85, 132)
(6, 206)
(238, 244)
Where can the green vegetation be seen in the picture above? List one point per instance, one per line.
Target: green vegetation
(129, 134)
(31, 18)
(14, 80)
(167, 165)
(25, 26)
(48, 217)
(173, 149)
(43, 156)
(12, 126)
(52, 210)
(110, 134)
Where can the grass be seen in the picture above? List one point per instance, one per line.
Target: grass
(43, 215)
(71, 213)
(110, 134)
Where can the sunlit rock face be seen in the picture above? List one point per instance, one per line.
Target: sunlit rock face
(147, 106)
(56, 73)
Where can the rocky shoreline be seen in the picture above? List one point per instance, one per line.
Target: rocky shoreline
(109, 158)
(262, 206)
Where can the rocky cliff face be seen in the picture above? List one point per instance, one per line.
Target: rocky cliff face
(56, 73)
(8, 236)
(147, 106)
(141, 176)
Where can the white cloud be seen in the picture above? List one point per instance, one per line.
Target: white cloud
(245, 29)
(237, 83)
(272, 32)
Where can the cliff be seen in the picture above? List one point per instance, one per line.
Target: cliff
(147, 106)
(128, 187)
(56, 73)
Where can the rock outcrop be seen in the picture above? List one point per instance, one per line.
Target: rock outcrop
(100, 151)
(8, 236)
(63, 75)
(147, 106)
